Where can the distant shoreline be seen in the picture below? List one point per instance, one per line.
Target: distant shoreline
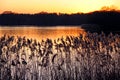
(105, 20)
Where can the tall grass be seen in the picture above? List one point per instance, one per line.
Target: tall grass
(92, 57)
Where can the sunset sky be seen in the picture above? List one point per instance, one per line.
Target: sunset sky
(62, 6)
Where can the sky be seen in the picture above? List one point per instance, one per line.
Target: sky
(58, 6)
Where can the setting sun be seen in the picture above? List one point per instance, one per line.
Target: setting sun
(59, 6)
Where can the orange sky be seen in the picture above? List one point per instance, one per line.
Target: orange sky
(62, 6)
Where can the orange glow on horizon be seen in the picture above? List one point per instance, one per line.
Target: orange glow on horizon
(57, 6)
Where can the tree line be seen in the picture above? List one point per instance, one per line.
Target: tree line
(108, 18)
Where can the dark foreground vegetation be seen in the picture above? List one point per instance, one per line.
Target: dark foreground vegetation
(90, 57)
(108, 18)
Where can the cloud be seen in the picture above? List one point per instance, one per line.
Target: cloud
(109, 8)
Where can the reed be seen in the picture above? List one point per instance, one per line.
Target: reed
(90, 57)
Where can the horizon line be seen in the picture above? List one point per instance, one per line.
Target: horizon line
(58, 13)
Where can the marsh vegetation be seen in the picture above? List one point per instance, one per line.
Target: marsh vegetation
(90, 57)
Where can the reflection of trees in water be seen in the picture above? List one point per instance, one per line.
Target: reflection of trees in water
(94, 57)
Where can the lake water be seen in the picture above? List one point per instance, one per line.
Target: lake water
(40, 32)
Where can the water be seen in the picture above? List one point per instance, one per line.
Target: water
(40, 32)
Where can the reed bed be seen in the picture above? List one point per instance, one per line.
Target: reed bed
(92, 57)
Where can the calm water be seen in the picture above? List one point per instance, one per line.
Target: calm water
(40, 33)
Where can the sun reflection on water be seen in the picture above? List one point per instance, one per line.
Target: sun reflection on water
(40, 33)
